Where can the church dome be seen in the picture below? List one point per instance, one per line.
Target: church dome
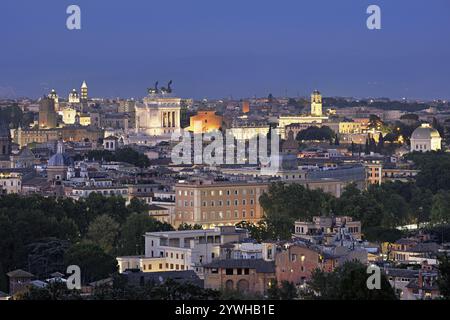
(425, 131)
(60, 159)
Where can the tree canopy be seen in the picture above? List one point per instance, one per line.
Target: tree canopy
(316, 134)
(39, 232)
(346, 282)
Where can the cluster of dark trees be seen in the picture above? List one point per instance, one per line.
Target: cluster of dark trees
(127, 155)
(381, 209)
(346, 282)
(121, 290)
(45, 235)
(314, 133)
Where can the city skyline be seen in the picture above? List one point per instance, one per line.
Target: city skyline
(227, 49)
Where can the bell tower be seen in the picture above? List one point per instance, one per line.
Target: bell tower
(316, 104)
(84, 91)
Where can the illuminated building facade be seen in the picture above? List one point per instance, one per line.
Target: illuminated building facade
(74, 97)
(212, 204)
(205, 121)
(158, 116)
(425, 138)
(84, 91)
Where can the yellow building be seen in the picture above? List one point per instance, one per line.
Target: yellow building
(68, 115)
(349, 127)
(85, 120)
(316, 104)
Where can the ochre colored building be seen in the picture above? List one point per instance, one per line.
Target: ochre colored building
(218, 203)
(205, 121)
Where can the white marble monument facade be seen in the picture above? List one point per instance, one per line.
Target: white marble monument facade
(158, 116)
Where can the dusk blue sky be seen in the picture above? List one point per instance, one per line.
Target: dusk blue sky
(214, 49)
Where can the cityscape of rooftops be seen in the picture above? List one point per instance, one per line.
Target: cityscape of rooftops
(198, 152)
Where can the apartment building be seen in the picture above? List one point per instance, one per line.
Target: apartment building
(181, 250)
(243, 275)
(296, 262)
(378, 173)
(10, 182)
(218, 203)
(327, 227)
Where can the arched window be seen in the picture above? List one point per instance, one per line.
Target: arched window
(243, 285)
(229, 285)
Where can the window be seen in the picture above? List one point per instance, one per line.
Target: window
(171, 266)
(246, 271)
(244, 202)
(160, 266)
(239, 271)
(214, 270)
(229, 271)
